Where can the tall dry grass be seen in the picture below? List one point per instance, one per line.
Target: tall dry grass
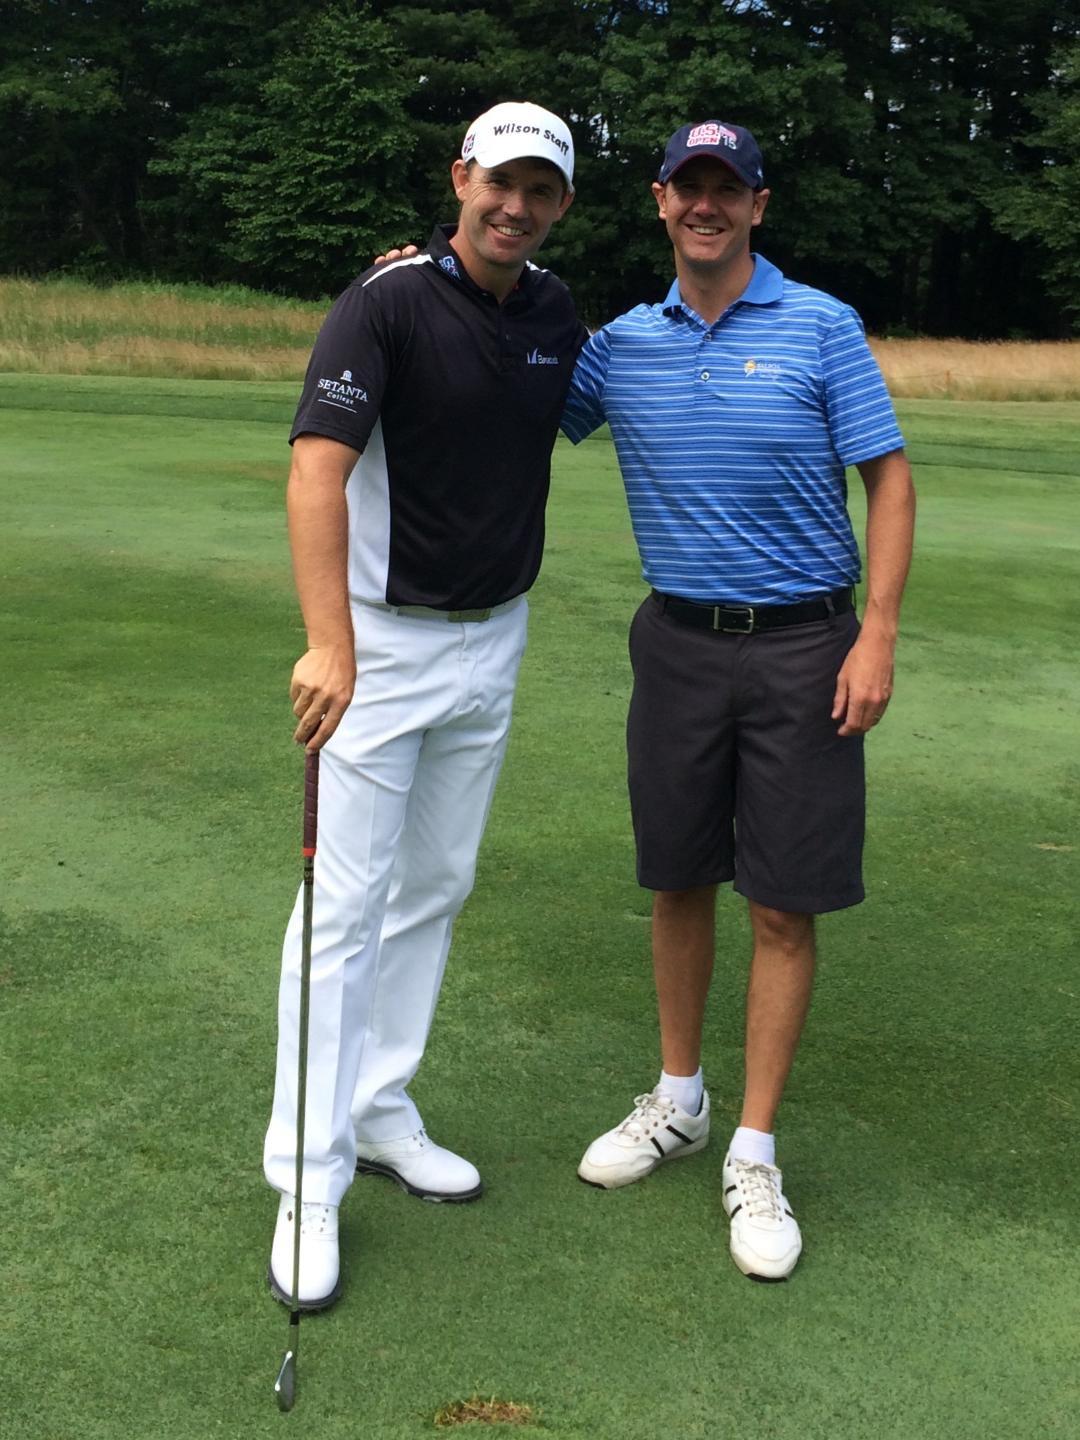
(144, 355)
(228, 333)
(191, 332)
(969, 370)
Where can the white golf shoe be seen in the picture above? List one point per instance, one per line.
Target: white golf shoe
(320, 1268)
(655, 1130)
(420, 1167)
(765, 1238)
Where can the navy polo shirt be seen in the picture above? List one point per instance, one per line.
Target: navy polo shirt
(454, 401)
(732, 438)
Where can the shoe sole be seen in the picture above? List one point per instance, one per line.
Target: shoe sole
(745, 1267)
(306, 1307)
(614, 1184)
(437, 1197)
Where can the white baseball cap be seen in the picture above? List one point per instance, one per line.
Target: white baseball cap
(520, 130)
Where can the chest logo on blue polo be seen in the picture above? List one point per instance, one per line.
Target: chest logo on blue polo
(762, 367)
(534, 357)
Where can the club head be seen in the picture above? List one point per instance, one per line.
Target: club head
(285, 1384)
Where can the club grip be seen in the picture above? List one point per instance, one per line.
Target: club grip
(311, 800)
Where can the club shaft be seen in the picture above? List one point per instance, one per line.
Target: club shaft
(311, 811)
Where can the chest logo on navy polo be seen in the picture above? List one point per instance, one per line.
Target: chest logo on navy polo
(534, 357)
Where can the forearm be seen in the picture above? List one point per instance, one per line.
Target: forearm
(890, 532)
(865, 681)
(324, 677)
(318, 539)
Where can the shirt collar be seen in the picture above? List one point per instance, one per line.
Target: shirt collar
(765, 288)
(440, 249)
(446, 258)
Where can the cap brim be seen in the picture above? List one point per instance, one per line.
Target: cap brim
(708, 155)
(497, 155)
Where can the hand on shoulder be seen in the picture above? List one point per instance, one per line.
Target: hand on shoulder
(405, 253)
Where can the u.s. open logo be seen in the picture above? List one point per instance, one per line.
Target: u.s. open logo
(712, 134)
(704, 135)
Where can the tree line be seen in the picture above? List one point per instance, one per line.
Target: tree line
(924, 157)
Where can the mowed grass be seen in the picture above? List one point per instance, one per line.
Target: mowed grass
(66, 326)
(150, 854)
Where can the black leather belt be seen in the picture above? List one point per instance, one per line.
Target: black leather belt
(729, 618)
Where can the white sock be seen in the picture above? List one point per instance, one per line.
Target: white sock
(685, 1090)
(747, 1144)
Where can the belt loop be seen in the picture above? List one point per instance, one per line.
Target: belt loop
(830, 606)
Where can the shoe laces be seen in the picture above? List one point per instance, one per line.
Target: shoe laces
(314, 1217)
(649, 1110)
(759, 1189)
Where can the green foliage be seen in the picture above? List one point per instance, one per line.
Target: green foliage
(1045, 207)
(73, 114)
(283, 144)
(303, 159)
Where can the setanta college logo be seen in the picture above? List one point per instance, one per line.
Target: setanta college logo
(342, 393)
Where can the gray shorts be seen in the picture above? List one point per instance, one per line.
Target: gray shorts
(735, 767)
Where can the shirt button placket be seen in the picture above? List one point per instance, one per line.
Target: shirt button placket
(703, 361)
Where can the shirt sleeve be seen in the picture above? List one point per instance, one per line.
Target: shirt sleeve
(862, 422)
(347, 372)
(584, 409)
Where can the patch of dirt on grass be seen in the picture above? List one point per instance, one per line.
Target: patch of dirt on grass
(478, 1411)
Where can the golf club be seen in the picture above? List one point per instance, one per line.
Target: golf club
(285, 1384)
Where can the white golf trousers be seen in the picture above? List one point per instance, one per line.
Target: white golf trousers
(406, 783)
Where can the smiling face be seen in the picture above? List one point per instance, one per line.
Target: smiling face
(709, 214)
(506, 214)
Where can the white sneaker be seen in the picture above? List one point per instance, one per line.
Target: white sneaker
(420, 1167)
(765, 1238)
(656, 1130)
(320, 1269)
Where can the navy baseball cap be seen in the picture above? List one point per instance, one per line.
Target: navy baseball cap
(731, 144)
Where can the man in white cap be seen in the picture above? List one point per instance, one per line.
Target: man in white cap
(420, 472)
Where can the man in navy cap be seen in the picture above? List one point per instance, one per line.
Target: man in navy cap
(735, 406)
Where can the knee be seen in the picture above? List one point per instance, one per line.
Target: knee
(789, 932)
(438, 894)
(671, 904)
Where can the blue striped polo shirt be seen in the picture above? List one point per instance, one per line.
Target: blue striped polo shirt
(732, 438)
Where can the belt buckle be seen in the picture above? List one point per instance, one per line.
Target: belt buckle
(730, 610)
